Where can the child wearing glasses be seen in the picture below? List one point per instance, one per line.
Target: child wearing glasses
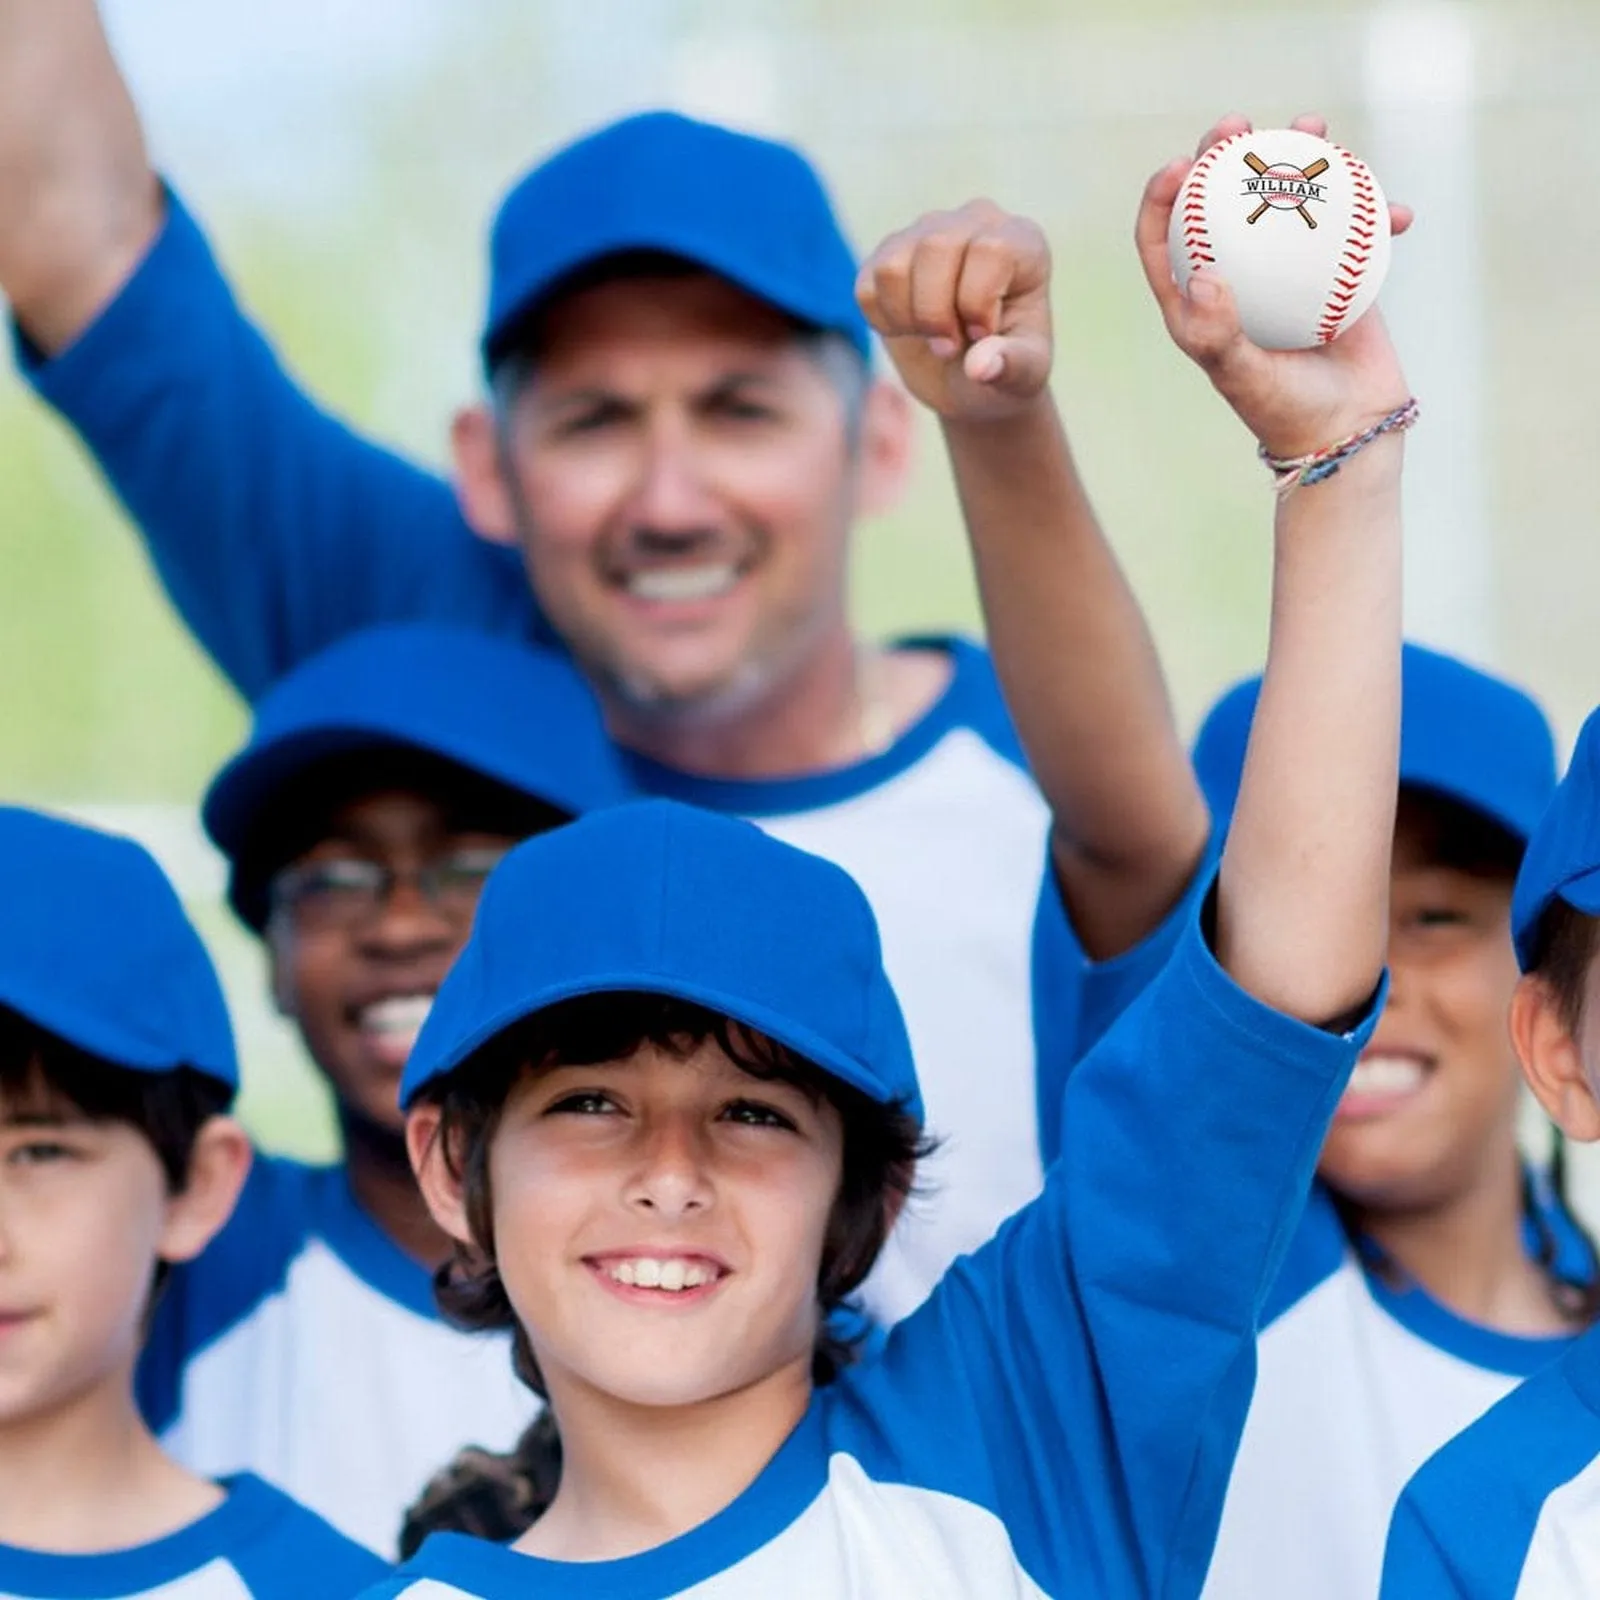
(382, 781)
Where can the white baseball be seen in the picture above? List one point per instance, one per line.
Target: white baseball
(1303, 247)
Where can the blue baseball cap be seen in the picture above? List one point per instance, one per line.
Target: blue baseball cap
(667, 899)
(1471, 737)
(519, 716)
(1563, 856)
(96, 949)
(749, 210)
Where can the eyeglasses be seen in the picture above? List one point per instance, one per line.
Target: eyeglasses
(348, 891)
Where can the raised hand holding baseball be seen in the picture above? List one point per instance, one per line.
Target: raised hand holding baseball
(962, 301)
(1294, 400)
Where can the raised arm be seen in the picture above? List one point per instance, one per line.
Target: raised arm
(962, 299)
(1302, 896)
(79, 204)
(1102, 1345)
(274, 526)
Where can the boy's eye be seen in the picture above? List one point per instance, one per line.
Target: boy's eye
(39, 1153)
(585, 1103)
(1439, 917)
(753, 1114)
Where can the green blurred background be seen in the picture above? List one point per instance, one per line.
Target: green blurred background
(345, 157)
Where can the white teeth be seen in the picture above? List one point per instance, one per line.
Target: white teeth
(1386, 1075)
(672, 1274)
(399, 1014)
(683, 583)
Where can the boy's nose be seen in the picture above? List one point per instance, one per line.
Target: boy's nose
(671, 1180)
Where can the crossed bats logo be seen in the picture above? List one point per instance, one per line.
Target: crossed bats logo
(1284, 188)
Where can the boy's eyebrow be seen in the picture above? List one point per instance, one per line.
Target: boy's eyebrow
(42, 1119)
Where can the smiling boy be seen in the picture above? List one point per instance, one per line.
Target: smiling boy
(669, 1120)
(381, 783)
(118, 1163)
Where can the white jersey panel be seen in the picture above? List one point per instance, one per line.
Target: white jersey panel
(951, 854)
(345, 1399)
(1348, 1404)
(1564, 1558)
(217, 1580)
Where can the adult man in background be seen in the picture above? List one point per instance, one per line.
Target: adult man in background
(682, 428)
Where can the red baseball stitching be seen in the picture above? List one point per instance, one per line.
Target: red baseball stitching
(1196, 236)
(1357, 255)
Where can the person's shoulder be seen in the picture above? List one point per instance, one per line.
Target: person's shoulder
(1505, 1487)
(972, 698)
(244, 1267)
(280, 1548)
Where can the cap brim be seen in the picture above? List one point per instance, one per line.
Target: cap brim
(784, 1030)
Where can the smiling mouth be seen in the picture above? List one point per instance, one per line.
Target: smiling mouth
(1381, 1080)
(391, 1025)
(658, 1278)
(682, 584)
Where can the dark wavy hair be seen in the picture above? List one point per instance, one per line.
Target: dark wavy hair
(882, 1145)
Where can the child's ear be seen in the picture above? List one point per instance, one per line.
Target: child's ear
(218, 1166)
(1552, 1059)
(441, 1186)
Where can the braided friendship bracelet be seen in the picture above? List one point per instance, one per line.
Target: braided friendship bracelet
(1290, 472)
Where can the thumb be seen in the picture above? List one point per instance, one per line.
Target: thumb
(1211, 333)
(1017, 364)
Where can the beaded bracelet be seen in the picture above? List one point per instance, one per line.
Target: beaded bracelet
(1290, 472)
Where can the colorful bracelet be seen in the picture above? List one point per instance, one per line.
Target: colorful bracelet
(1290, 472)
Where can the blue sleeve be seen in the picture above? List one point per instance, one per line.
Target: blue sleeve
(244, 1265)
(274, 527)
(1086, 1375)
(1414, 1567)
(1076, 1000)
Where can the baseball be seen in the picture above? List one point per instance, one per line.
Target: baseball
(1297, 227)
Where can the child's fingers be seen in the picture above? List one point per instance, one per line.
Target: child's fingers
(1225, 127)
(1150, 235)
(936, 266)
(1311, 123)
(1400, 218)
(1009, 256)
(883, 286)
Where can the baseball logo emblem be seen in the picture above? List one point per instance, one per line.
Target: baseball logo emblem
(1297, 227)
(1283, 188)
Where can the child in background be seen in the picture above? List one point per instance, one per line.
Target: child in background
(118, 1162)
(382, 781)
(1510, 1510)
(1435, 1269)
(665, 1106)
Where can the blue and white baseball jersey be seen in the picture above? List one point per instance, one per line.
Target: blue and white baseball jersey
(257, 1545)
(276, 529)
(306, 1347)
(1059, 1417)
(1510, 1510)
(1358, 1383)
